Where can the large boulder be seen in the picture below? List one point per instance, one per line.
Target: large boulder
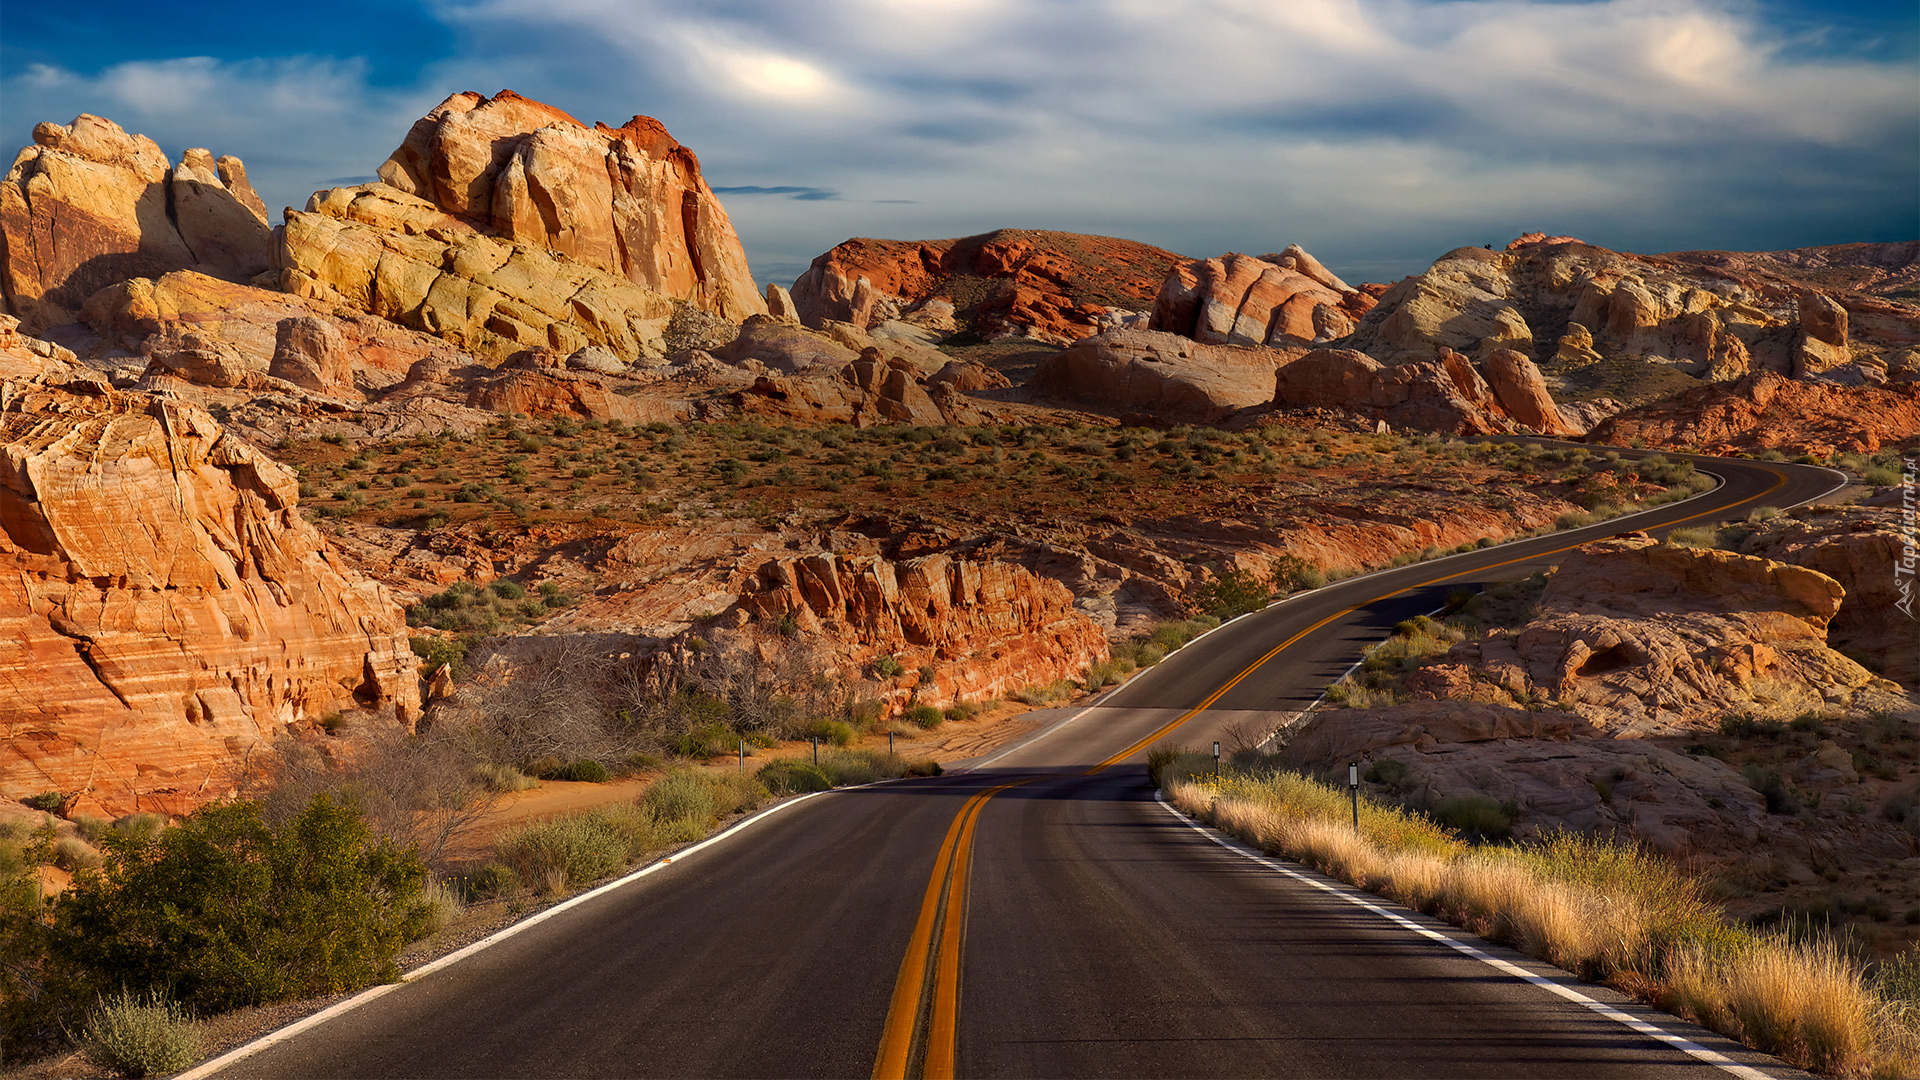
(629, 200)
(1279, 300)
(1446, 394)
(784, 347)
(89, 205)
(166, 609)
(1006, 285)
(1152, 371)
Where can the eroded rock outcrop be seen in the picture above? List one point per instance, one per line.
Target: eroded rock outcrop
(1444, 395)
(991, 627)
(166, 608)
(1011, 284)
(1152, 371)
(1281, 300)
(1718, 316)
(503, 224)
(627, 200)
(1770, 411)
(89, 205)
(873, 389)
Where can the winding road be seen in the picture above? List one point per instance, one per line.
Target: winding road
(1038, 913)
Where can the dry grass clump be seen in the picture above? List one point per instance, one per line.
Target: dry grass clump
(1607, 911)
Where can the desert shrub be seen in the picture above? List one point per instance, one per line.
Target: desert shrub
(838, 732)
(585, 770)
(90, 826)
(574, 849)
(792, 776)
(140, 1035)
(1232, 592)
(503, 778)
(72, 853)
(1291, 573)
(1477, 816)
(49, 801)
(888, 668)
(1389, 771)
(141, 825)
(681, 795)
(1704, 536)
(925, 717)
(226, 910)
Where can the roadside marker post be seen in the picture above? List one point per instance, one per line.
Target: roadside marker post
(889, 744)
(743, 757)
(1216, 759)
(1353, 788)
(816, 751)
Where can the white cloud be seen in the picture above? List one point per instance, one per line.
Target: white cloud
(1382, 130)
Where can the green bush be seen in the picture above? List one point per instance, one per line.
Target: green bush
(140, 1035)
(792, 776)
(833, 732)
(926, 716)
(586, 772)
(681, 795)
(224, 911)
(574, 849)
(1233, 592)
(47, 800)
(1477, 816)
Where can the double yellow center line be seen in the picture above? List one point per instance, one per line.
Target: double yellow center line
(925, 1012)
(1780, 480)
(923, 1017)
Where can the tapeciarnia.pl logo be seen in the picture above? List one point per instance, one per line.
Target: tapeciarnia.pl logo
(1904, 570)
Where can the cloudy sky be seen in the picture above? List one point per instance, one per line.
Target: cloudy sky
(1376, 133)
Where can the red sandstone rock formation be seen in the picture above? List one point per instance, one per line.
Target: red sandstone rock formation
(1281, 300)
(1769, 411)
(89, 205)
(873, 389)
(166, 608)
(987, 627)
(1006, 285)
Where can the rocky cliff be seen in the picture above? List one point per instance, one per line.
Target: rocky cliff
(166, 607)
(89, 205)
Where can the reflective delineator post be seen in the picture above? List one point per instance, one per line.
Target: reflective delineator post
(743, 757)
(1216, 759)
(816, 750)
(1353, 786)
(889, 744)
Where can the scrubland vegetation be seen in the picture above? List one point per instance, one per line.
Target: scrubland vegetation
(1606, 911)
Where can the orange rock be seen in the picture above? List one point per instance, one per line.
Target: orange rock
(1522, 392)
(1158, 372)
(1024, 284)
(1769, 411)
(628, 200)
(89, 205)
(166, 608)
(1287, 299)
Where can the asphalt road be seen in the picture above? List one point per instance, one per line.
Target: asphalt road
(1063, 925)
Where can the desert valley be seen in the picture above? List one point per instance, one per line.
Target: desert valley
(499, 479)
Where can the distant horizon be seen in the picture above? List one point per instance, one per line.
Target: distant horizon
(1377, 134)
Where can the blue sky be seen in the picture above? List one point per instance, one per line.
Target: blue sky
(1376, 133)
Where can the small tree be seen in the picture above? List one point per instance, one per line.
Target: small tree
(1291, 573)
(226, 911)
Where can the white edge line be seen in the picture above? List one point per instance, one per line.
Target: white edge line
(1300, 594)
(280, 1035)
(1639, 1026)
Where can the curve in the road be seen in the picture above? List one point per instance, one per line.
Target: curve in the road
(1098, 936)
